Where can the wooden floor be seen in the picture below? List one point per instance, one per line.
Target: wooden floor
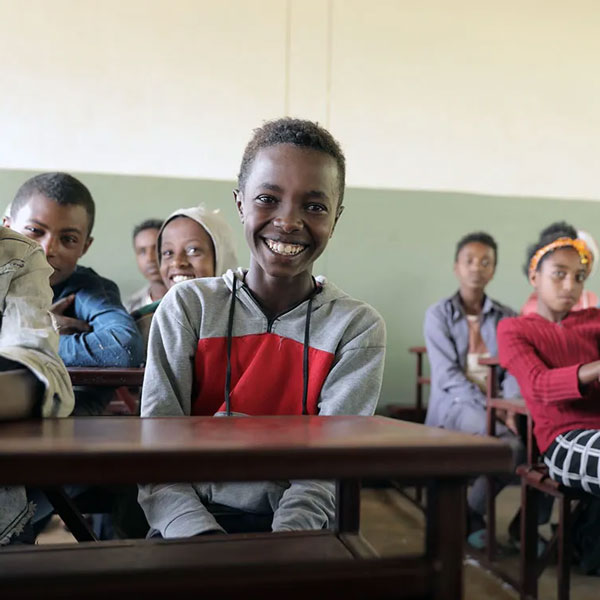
(393, 525)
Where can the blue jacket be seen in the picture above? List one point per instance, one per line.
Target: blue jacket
(114, 340)
(447, 339)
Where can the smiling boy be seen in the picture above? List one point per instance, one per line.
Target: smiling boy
(57, 211)
(271, 340)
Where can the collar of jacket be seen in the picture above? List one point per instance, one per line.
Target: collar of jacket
(458, 312)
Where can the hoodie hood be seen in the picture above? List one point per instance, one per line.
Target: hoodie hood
(217, 228)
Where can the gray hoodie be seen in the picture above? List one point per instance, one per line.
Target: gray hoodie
(346, 344)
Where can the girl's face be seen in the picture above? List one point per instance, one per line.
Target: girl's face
(186, 252)
(289, 207)
(475, 265)
(559, 282)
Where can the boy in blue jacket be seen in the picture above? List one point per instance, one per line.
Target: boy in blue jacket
(57, 211)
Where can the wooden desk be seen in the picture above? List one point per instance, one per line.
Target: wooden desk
(124, 450)
(107, 377)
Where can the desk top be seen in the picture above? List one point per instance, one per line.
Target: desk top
(102, 450)
(107, 377)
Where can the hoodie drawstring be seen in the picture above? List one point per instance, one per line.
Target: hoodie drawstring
(304, 357)
(229, 339)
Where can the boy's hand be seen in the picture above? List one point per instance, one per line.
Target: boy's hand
(67, 325)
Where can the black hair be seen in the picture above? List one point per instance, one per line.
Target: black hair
(479, 237)
(62, 188)
(305, 134)
(547, 236)
(147, 224)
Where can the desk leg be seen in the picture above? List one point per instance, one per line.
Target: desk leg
(69, 513)
(347, 506)
(446, 527)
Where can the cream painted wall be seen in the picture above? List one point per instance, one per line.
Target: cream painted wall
(471, 95)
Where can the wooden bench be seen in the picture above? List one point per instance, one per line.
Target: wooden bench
(124, 449)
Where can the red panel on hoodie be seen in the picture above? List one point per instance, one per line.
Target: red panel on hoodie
(266, 375)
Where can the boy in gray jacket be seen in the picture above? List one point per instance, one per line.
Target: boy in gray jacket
(28, 342)
(271, 340)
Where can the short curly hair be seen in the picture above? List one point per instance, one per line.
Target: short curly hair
(547, 236)
(147, 224)
(299, 132)
(480, 237)
(63, 188)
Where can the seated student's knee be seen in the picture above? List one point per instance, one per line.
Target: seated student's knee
(466, 417)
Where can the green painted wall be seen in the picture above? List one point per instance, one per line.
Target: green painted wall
(393, 249)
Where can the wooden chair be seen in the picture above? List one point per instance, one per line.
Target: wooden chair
(534, 481)
(417, 412)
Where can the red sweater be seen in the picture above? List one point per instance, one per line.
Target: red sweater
(545, 358)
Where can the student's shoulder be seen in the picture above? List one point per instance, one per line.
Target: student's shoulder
(503, 309)
(520, 324)
(334, 309)
(444, 310)
(86, 280)
(196, 291)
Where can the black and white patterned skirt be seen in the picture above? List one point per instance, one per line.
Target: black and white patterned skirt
(573, 459)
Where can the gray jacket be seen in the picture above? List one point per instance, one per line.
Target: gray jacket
(346, 335)
(28, 337)
(447, 340)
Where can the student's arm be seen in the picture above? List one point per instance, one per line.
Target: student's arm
(27, 336)
(175, 510)
(444, 361)
(536, 380)
(351, 388)
(114, 340)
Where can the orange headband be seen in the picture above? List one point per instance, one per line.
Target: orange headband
(564, 242)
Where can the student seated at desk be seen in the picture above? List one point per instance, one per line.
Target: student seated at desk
(458, 331)
(192, 243)
(57, 211)
(555, 356)
(27, 341)
(144, 245)
(271, 340)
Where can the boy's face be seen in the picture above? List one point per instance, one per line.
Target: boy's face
(289, 208)
(61, 230)
(560, 279)
(186, 252)
(475, 265)
(144, 245)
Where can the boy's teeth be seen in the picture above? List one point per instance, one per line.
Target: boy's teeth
(180, 278)
(286, 249)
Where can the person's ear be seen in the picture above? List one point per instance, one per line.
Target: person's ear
(6, 221)
(239, 203)
(338, 214)
(87, 244)
(533, 277)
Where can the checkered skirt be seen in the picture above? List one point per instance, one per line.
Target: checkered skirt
(573, 459)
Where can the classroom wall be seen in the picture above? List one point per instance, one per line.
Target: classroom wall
(153, 101)
(392, 248)
(468, 95)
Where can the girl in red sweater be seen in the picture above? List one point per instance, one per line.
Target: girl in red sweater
(554, 354)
